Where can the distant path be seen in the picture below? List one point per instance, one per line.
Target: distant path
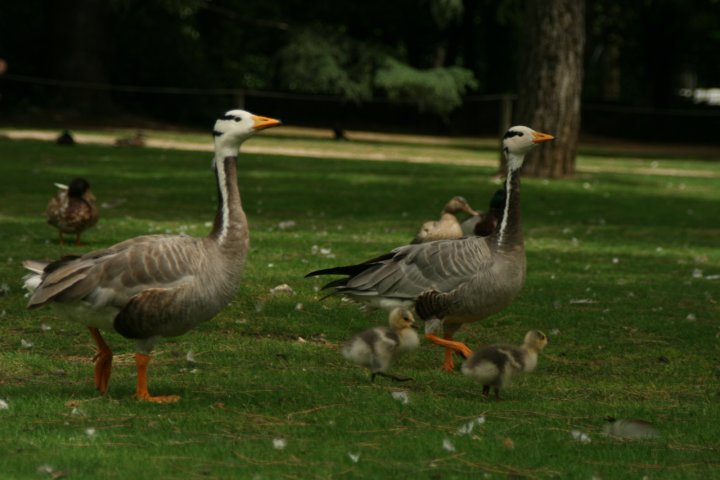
(480, 159)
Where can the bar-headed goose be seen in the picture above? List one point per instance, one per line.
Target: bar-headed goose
(72, 209)
(157, 285)
(456, 281)
(448, 225)
(494, 365)
(376, 348)
(484, 224)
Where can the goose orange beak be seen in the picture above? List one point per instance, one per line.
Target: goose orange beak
(261, 123)
(539, 137)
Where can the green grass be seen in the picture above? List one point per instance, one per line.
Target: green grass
(611, 258)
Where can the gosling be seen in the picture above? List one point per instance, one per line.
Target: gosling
(495, 365)
(377, 347)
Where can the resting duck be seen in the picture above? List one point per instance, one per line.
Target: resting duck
(156, 286)
(72, 209)
(455, 281)
(377, 347)
(485, 224)
(447, 226)
(495, 365)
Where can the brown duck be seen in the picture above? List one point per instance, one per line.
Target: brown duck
(156, 286)
(447, 226)
(457, 281)
(72, 209)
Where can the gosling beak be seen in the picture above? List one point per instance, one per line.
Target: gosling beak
(539, 137)
(261, 123)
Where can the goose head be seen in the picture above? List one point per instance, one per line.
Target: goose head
(78, 187)
(518, 141)
(535, 340)
(401, 318)
(459, 204)
(236, 126)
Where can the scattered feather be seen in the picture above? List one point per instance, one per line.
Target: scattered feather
(691, 317)
(712, 277)
(4, 405)
(630, 429)
(578, 301)
(279, 443)
(467, 428)
(554, 332)
(299, 307)
(90, 432)
(697, 273)
(401, 396)
(448, 445)
(76, 412)
(282, 289)
(580, 436)
(301, 340)
(615, 260)
(4, 289)
(190, 357)
(354, 457)
(45, 327)
(286, 224)
(25, 344)
(271, 265)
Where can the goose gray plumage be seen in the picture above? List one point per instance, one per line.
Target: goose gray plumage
(484, 224)
(156, 286)
(495, 365)
(447, 226)
(457, 281)
(72, 209)
(377, 347)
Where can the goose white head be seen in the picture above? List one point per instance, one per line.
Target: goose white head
(518, 141)
(236, 126)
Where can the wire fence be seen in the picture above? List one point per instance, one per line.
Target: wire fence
(479, 114)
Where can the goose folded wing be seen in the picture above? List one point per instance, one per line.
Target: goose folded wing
(110, 277)
(442, 266)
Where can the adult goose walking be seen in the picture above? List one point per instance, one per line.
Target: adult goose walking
(455, 281)
(156, 285)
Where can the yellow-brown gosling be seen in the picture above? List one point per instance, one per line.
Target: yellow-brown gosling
(495, 365)
(377, 347)
(72, 209)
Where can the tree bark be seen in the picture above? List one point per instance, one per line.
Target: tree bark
(550, 82)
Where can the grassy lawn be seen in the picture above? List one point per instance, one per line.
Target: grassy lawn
(623, 274)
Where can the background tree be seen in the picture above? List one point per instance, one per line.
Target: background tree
(550, 81)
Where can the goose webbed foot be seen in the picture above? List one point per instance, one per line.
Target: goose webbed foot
(450, 347)
(103, 361)
(394, 378)
(141, 393)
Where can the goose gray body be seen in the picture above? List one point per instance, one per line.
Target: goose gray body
(156, 286)
(495, 365)
(459, 281)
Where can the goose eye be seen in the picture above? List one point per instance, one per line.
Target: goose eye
(520, 134)
(237, 119)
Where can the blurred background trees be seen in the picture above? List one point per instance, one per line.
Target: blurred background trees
(422, 66)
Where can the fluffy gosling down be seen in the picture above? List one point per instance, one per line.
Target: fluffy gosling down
(377, 347)
(495, 365)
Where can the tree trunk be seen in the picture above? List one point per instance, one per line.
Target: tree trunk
(550, 81)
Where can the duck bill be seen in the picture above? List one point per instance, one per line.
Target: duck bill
(539, 137)
(471, 211)
(261, 123)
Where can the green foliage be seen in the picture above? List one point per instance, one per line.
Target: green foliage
(612, 256)
(437, 90)
(326, 63)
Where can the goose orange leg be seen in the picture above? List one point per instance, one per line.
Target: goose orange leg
(141, 393)
(450, 347)
(103, 361)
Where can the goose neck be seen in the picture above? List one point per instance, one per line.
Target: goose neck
(509, 234)
(230, 226)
